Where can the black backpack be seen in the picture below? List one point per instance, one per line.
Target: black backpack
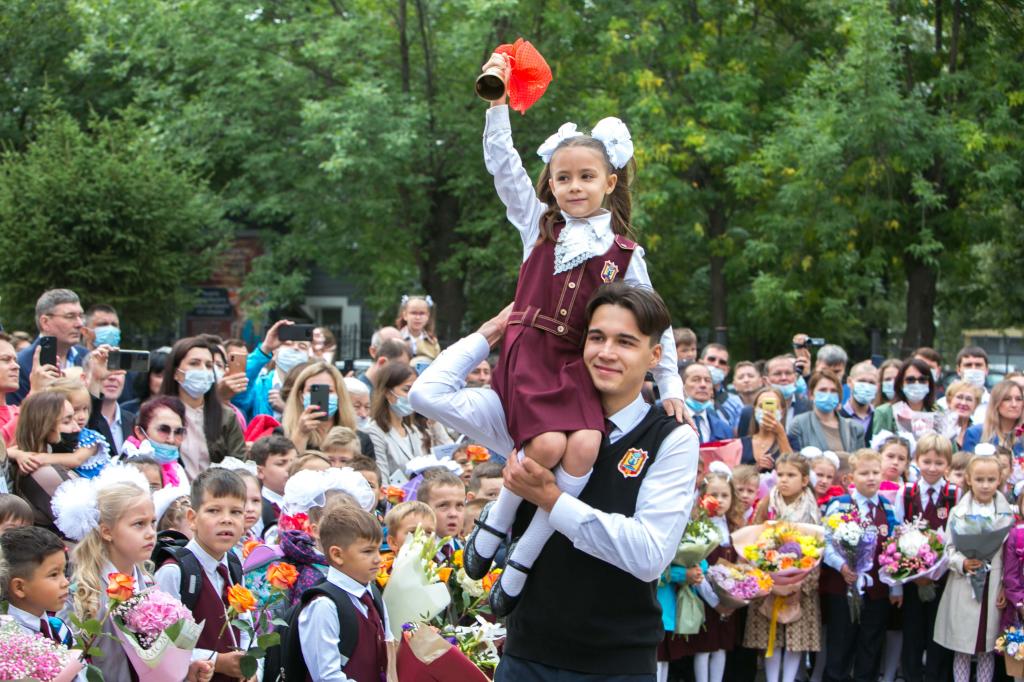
(268, 516)
(285, 663)
(170, 546)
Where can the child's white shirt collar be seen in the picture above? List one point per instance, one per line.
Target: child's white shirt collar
(24, 618)
(582, 239)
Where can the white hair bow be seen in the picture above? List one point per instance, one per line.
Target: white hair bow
(611, 132)
(427, 298)
(720, 467)
(75, 503)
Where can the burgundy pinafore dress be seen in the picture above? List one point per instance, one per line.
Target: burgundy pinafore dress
(540, 378)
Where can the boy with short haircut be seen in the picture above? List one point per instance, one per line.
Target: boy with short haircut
(486, 482)
(849, 643)
(273, 456)
(931, 498)
(686, 344)
(404, 518)
(368, 468)
(34, 582)
(200, 573)
(446, 495)
(958, 468)
(346, 611)
(14, 513)
(473, 509)
(340, 446)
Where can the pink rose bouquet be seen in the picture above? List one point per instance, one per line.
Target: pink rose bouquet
(158, 634)
(913, 553)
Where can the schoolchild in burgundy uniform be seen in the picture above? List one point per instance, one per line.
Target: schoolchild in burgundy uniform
(850, 644)
(216, 518)
(931, 498)
(351, 540)
(575, 229)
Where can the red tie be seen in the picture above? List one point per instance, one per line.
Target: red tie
(931, 500)
(222, 571)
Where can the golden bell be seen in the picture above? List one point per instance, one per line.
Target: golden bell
(490, 85)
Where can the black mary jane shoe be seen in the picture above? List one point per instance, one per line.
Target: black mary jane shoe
(500, 602)
(475, 564)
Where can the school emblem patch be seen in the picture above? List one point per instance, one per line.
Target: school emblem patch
(632, 463)
(609, 271)
(883, 530)
(941, 513)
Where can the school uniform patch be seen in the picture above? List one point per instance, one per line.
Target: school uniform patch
(941, 513)
(883, 530)
(609, 271)
(632, 463)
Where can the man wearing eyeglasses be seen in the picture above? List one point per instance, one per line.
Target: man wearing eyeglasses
(58, 314)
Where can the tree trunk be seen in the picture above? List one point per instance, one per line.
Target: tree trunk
(440, 243)
(719, 322)
(403, 42)
(921, 282)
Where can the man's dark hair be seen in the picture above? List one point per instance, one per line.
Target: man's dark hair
(484, 470)
(98, 308)
(24, 549)
(712, 346)
(652, 316)
(270, 445)
(217, 482)
(393, 349)
(971, 352)
(928, 353)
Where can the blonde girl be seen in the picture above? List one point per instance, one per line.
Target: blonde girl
(114, 521)
(416, 323)
(792, 499)
(746, 481)
(965, 625)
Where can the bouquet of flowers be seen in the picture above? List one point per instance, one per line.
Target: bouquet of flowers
(1011, 645)
(417, 590)
(25, 656)
(737, 585)
(855, 538)
(479, 642)
(980, 537)
(787, 552)
(914, 552)
(158, 634)
(700, 538)
(469, 597)
(426, 655)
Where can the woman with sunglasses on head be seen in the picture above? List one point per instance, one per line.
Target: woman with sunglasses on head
(913, 413)
(159, 431)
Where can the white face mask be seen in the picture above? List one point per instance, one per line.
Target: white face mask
(975, 377)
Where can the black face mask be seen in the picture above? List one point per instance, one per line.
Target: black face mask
(68, 443)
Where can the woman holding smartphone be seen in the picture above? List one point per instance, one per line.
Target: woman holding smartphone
(767, 440)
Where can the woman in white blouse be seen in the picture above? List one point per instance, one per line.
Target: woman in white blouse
(397, 435)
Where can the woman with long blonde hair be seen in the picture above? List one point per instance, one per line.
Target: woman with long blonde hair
(1004, 415)
(303, 422)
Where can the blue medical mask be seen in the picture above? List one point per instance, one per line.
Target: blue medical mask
(401, 406)
(801, 385)
(198, 382)
(826, 402)
(696, 406)
(108, 335)
(163, 452)
(717, 375)
(889, 389)
(787, 390)
(864, 393)
(290, 358)
(332, 403)
(916, 392)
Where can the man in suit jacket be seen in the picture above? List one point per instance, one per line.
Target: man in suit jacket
(780, 374)
(700, 398)
(59, 314)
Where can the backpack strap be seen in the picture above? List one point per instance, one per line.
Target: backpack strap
(234, 567)
(294, 665)
(191, 575)
(268, 516)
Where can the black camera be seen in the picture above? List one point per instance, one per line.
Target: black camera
(810, 342)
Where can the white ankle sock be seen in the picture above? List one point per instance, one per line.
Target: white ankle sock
(500, 518)
(530, 545)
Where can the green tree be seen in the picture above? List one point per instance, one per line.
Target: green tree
(100, 211)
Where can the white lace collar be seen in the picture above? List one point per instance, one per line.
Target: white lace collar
(581, 239)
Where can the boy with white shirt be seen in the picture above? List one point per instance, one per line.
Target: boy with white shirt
(343, 628)
(273, 456)
(216, 519)
(35, 585)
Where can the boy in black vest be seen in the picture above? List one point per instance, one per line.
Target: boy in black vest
(613, 542)
(342, 623)
(932, 498)
(34, 584)
(208, 564)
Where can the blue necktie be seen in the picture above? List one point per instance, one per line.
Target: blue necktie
(699, 421)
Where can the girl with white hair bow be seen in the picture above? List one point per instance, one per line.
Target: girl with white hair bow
(576, 234)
